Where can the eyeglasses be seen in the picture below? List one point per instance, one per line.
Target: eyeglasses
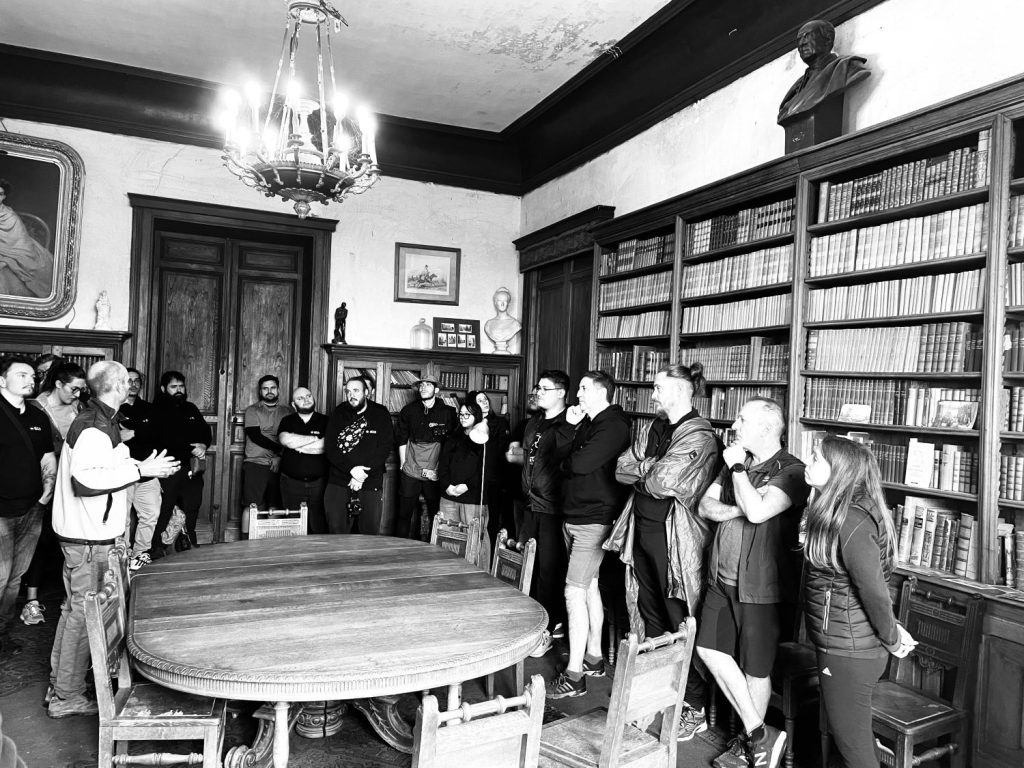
(547, 389)
(465, 415)
(77, 390)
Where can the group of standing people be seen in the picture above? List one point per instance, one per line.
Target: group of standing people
(711, 531)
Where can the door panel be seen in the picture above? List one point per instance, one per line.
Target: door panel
(189, 333)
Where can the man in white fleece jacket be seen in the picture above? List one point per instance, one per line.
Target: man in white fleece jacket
(90, 510)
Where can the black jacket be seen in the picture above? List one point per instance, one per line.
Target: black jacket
(462, 462)
(592, 495)
(141, 419)
(358, 439)
(179, 424)
(419, 425)
(849, 612)
(546, 443)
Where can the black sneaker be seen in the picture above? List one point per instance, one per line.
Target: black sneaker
(735, 755)
(564, 687)
(767, 750)
(593, 670)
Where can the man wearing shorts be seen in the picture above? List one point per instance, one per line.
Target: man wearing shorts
(757, 501)
(592, 500)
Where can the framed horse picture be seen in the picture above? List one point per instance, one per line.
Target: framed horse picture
(427, 274)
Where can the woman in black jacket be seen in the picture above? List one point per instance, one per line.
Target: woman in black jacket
(463, 469)
(850, 551)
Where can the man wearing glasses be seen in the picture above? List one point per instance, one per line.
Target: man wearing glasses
(423, 426)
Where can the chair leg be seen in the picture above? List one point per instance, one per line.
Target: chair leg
(712, 695)
(520, 679)
(790, 732)
(105, 750)
(489, 685)
(904, 752)
(211, 748)
(958, 759)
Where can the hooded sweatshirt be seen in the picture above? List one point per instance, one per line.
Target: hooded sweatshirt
(591, 494)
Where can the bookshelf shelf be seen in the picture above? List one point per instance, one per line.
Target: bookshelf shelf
(735, 332)
(642, 414)
(650, 270)
(916, 490)
(856, 427)
(667, 304)
(635, 339)
(923, 208)
(1017, 185)
(935, 317)
(738, 248)
(1017, 311)
(1011, 504)
(1015, 254)
(1011, 435)
(722, 422)
(715, 298)
(625, 383)
(931, 266)
(970, 376)
(746, 383)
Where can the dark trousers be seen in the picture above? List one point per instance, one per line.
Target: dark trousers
(294, 492)
(549, 565)
(660, 612)
(336, 508)
(260, 486)
(407, 524)
(846, 690)
(183, 491)
(48, 557)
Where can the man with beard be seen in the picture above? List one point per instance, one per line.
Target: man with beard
(184, 433)
(422, 428)
(303, 465)
(358, 441)
(138, 431)
(260, 481)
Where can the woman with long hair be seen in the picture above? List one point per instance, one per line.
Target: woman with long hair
(463, 470)
(850, 553)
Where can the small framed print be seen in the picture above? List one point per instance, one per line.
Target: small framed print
(456, 333)
(427, 274)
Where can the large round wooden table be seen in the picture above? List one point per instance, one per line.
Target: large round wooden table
(316, 618)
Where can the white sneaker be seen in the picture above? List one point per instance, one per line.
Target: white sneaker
(32, 613)
(543, 646)
(139, 560)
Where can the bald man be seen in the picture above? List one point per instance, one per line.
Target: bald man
(303, 462)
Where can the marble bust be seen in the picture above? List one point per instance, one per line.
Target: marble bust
(503, 329)
(827, 74)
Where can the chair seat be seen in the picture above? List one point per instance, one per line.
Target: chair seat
(905, 710)
(147, 701)
(576, 741)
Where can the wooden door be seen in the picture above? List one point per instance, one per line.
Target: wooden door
(560, 318)
(224, 312)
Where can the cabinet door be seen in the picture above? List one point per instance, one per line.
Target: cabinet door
(999, 727)
(401, 377)
(347, 368)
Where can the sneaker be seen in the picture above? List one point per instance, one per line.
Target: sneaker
(32, 613)
(139, 560)
(593, 670)
(766, 751)
(735, 755)
(564, 687)
(75, 705)
(558, 631)
(691, 722)
(543, 646)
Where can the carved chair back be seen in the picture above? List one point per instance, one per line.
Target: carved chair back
(458, 537)
(104, 620)
(277, 523)
(513, 562)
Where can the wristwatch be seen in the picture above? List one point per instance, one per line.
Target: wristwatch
(738, 467)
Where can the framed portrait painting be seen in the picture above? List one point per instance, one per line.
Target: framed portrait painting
(40, 219)
(427, 274)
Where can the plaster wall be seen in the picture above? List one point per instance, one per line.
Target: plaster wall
(482, 224)
(920, 52)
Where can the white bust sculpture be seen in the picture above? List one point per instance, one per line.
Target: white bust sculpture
(102, 312)
(503, 329)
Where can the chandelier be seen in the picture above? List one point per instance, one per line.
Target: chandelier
(301, 148)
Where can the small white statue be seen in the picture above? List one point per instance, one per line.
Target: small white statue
(503, 329)
(102, 313)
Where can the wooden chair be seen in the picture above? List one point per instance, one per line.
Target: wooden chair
(8, 750)
(142, 711)
(277, 523)
(512, 564)
(650, 677)
(498, 733)
(456, 536)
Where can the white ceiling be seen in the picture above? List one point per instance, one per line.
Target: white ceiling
(472, 63)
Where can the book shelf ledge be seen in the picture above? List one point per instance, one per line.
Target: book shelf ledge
(1005, 435)
(934, 205)
(664, 266)
(633, 339)
(1017, 185)
(861, 427)
(734, 331)
(746, 383)
(640, 413)
(933, 376)
(888, 320)
(627, 383)
(738, 248)
(634, 309)
(916, 490)
(1016, 311)
(1012, 504)
(1016, 253)
(714, 298)
(936, 266)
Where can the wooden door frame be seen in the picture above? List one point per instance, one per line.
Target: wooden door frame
(147, 211)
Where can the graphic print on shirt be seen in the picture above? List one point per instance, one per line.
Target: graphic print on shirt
(535, 447)
(352, 435)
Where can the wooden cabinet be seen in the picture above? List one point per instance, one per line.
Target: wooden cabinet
(999, 710)
(78, 345)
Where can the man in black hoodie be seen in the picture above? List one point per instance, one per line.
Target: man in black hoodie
(592, 500)
(358, 440)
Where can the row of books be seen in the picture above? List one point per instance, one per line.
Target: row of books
(958, 232)
(927, 294)
(640, 363)
(931, 534)
(453, 380)
(766, 266)
(1011, 478)
(645, 289)
(635, 399)
(1016, 233)
(930, 348)
(399, 398)
(945, 467)
(1013, 409)
(744, 226)
(756, 360)
(1015, 284)
(1013, 347)
(748, 313)
(637, 253)
(495, 381)
(1011, 561)
(654, 323)
(404, 377)
(637, 425)
(890, 402)
(725, 402)
(368, 374)
(955, 171)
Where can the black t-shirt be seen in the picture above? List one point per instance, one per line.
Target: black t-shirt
(303, 466)
(658, 439)
(21, 480)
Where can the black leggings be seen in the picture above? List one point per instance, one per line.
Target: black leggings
(846, 688)
(550, 563)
